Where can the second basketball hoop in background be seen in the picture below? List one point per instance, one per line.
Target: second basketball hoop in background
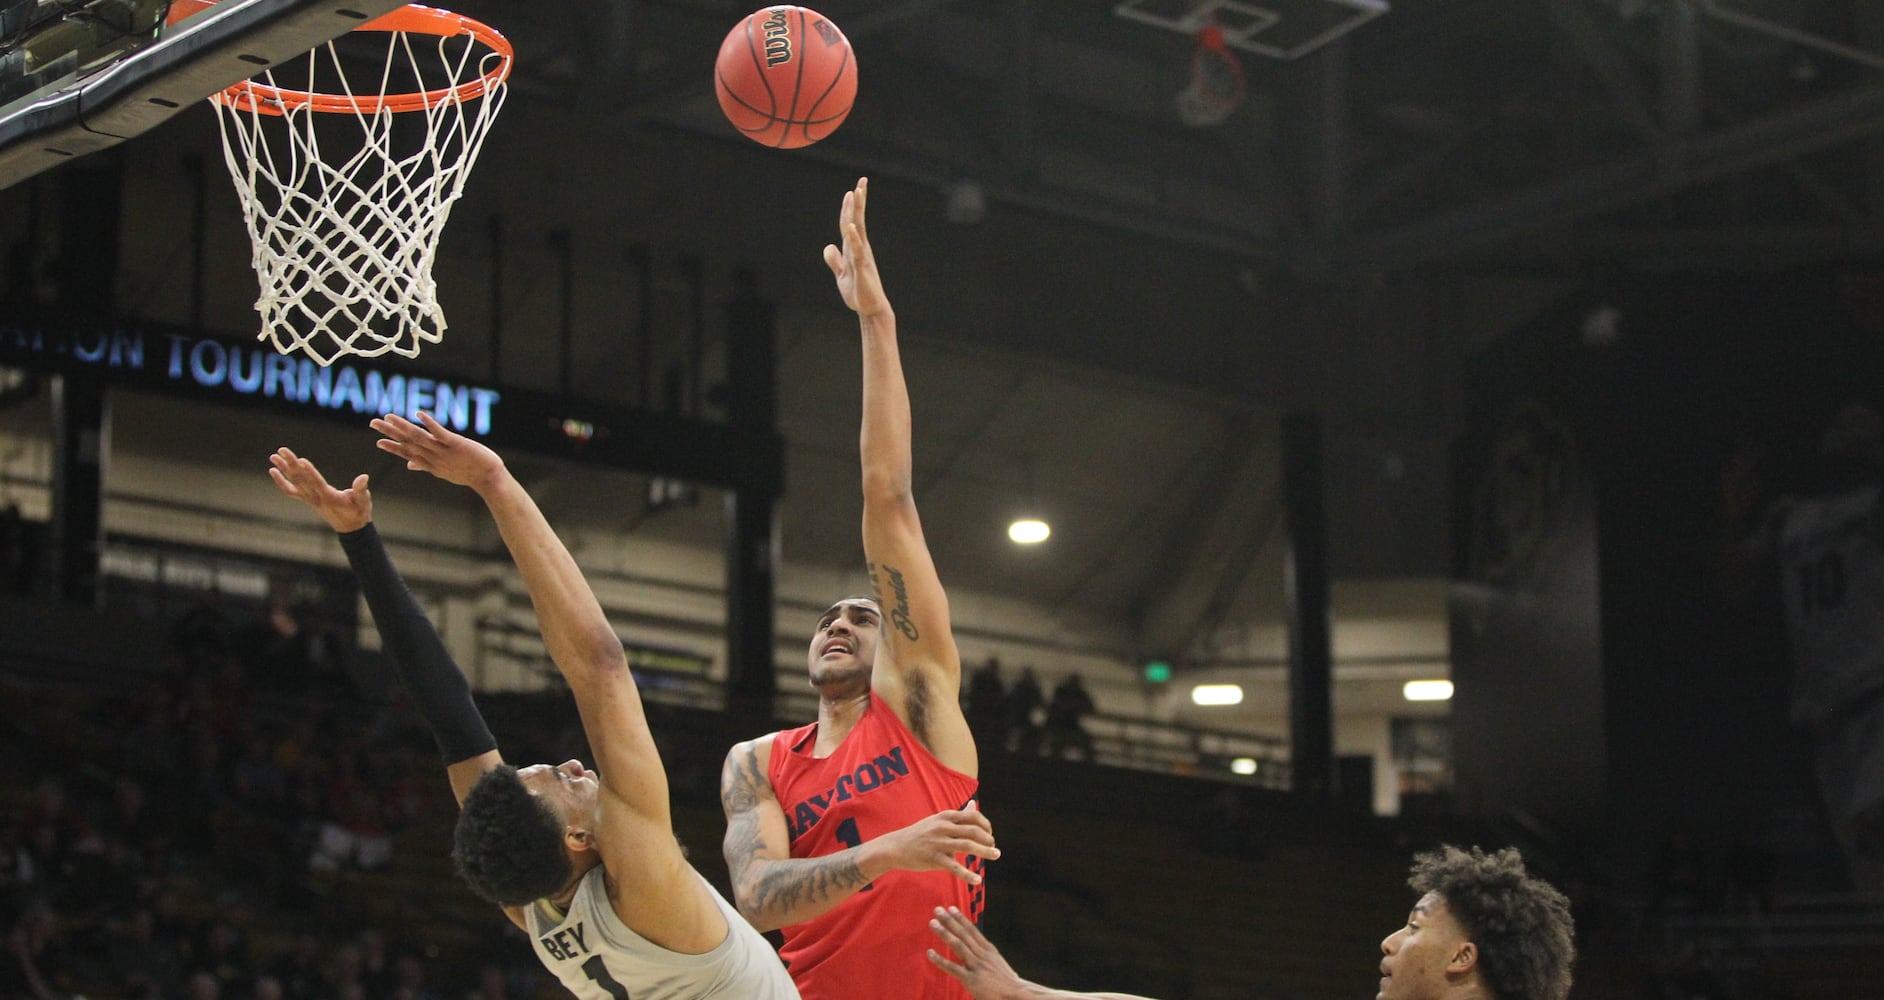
(785, 77)
(1217, 87)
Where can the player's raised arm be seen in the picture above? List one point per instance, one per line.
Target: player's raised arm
(431, 679)
(580, 640)
(919, 670)
(437, 687)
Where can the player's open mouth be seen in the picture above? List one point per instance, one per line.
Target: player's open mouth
(838, 647)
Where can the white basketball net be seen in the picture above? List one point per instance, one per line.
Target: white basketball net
(345, 230)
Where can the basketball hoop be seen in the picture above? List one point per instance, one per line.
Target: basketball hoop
(1217, 87)
(345, 220)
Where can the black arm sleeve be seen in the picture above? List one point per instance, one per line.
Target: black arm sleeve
(435, 684)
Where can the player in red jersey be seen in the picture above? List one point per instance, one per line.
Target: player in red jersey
(847, 833)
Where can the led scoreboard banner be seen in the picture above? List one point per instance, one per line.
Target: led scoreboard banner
(184, 362)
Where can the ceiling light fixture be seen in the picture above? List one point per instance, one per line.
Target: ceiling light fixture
(1217, 694)
(1427, 690)
(1029, 531)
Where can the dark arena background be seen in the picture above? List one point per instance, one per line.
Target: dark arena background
(1423, 396)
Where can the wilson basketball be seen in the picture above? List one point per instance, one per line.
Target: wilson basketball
(785, 76)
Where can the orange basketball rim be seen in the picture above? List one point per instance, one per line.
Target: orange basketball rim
(412, 19)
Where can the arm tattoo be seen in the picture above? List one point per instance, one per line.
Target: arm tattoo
(740, 796)
(807, 880)
(895, 605)
(782, 884)
(898, 609)
(737, 792)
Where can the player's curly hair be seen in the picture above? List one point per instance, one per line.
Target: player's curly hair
(509, 844)
(1522, 925)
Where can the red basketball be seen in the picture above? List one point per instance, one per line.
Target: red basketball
(785, 76)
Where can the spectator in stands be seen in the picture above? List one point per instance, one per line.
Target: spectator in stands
(174, 928)
(222, 952)
(203, 986)
(16, 865)
(411, 794)
(53, 808)
(1023, 699)
(17, 555)
(408, 979)
(148, 742)
(354, 834)
(343, 971)
(1066, 712)
(203, 629)
(255, 778)
(56, 835)
(1824, 540)
(201, 786)
(298, 970)
(983, 709)
(130, 819)
(376, 963)
(1483, 929)
(492, 983)
(37, 964)
(135, 956)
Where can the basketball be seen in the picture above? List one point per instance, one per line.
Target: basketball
(785, 76)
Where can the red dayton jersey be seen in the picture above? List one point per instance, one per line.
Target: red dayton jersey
(871, 946)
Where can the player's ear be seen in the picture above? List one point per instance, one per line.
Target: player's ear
(1464, 959)
(578, 839)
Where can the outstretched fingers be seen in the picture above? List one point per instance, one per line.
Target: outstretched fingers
(977, 963)
(405, 439)
(861, 196)
(294, 475)
(962, 937)
(944, 964)
(961, 871)
(282, 484)
(974, 823)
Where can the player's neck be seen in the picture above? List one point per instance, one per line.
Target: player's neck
(567, 894)
(838, 712)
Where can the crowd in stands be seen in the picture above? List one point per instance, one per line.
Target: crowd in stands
(1019, 719)
(206, 832)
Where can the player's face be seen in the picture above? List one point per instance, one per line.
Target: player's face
(570, 789)
(844, 646)
(1416, 955)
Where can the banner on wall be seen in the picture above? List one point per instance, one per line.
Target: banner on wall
(186, 362)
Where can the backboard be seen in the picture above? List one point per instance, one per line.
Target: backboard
(1279, 29)
(117, 87)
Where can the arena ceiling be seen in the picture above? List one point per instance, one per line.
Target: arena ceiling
(1115, 339)
(1445, 132)
(1497, 152)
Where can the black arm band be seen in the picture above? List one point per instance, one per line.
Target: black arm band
(434, 683)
